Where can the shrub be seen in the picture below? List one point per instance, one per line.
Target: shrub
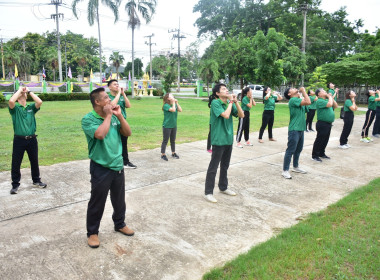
(77, 88)
(62, 88)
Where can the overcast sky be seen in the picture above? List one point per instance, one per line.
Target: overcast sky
(18, 17)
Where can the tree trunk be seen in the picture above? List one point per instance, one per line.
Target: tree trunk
(133, 58)
(54, 74)
(100, 45)
(207, 90)
(241, 83)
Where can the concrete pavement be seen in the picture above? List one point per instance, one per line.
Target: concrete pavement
(178, 234)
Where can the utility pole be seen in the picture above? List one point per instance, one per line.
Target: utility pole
(65, 59)
(56, 17)
(179, 37)
(304, 8)
(2, 58)
(150, 51)
(23, 47)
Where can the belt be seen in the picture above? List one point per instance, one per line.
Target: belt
(26, 137)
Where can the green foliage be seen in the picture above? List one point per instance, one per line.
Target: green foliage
(61, 96)
(317, 79)
(269, 66)
(138, 65)
(77, 88)
(208, 71)
(294, 65)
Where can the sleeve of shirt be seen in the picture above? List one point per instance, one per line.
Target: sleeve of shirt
(234, 111)
(216, 108)
(166, 107)
(275, 97)
(89, 127)
(348, 103)
(245, 101)
(33, 107)
(295, 102)
(12, 111)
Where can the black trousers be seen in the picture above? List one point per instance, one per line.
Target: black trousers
(243, 127)
(124, 143)
(369, 117)
(168, 133)
(222, 155)
(102, 181)
(268, 119)
(322, 139)
(376, 126)
(348, 123)
(20, 145)
(209, 138)
(309, 118)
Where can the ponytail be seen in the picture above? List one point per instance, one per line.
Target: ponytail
(211, 98)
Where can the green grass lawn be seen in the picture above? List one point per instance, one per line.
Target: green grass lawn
(342, 242)
(61, 138)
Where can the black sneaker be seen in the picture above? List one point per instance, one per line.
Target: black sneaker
(130, 165)
(40, 184)
(14, 190)
(316, 159)
(325, 157)
(175, 156)
(164, 157)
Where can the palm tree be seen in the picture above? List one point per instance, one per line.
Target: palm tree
(26, 60)
(52, 59)
(146, 8)
(208, 71)
(82, 58)
(11, 57)
(93, 13)
(116, 59)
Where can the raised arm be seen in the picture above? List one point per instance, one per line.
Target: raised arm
(178, 106)
(306, 99)
(103, 129)
(36, 99)
(13, 99)
(125, 129)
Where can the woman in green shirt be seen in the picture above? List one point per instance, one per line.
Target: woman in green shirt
(311, 110)
(269, 100)
(349, 109)
(169, 126)
(246, 104)
(370, 115)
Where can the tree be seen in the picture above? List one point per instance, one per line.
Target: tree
(116, 59)
(159, 64)
(208, 71)
(52, 59)
(138, 68)
(82, 59)
(269, 66)
(317, 79)
(93, 13)
(294, 65)
(11, 57)
(25, 63)
(146, 8)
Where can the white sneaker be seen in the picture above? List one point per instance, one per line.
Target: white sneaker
(286, 175)
(364, 140)
(248, 143)
(343, 146)
(348, 146)
(369, 139)
(229, 192)
(299, 170)
(239, 145)
(210, 198)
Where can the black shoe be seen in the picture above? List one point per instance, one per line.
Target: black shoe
(14, 190)
(316, 159)
(130, 165)
(40, 184)
(175, 156)
(164, 157)
(325, 157)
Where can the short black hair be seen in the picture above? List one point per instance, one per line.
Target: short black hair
(94, 95)
(217, 87)
(328, 84)
(111, 81)
(318, 91)
(286, 93)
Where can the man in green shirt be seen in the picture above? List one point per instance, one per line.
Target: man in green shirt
(334, 92)
(325, 117)
(25, 139)
(118, 97)
(102, 128)
(297, 126)
(223, 105)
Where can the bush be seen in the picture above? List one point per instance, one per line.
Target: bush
(62, 88)
(77, 88)
(62, 96)
(158, 92)
(7, 88)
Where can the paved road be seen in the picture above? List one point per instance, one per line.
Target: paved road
(178, 234)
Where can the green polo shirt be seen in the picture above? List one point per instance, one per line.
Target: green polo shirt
(324, 113)
(347, 105)
(332, 91)
(377, 102)
(313, 102)
(270, 103)
(297, 115)
(244, 103)
(170, 118)
(24, 122)
(372, 103)
(106, 152)
(121, 103)
(221, 129)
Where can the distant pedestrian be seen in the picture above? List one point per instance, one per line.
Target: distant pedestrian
(102, 128)
(169, 127)
(269, 100)
(118, 97)
(349, 108)
(223, 107)
(311, 110)
(246, 104)
(297, 126)
(25, 139)
(370, 115)
(376, 125)
(334, 92)
(325, 118)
